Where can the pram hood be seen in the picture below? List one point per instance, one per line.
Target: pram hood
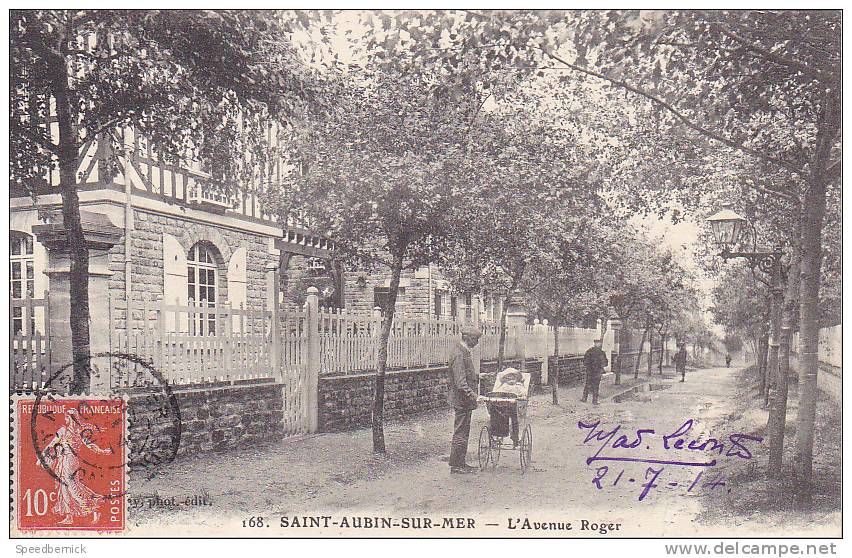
(507, 382)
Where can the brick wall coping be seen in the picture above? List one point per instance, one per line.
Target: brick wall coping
(370, 373)
(396, 371)
(208, 386)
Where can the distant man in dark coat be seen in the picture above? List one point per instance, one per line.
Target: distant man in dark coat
(595, 361)
(728, 360)
(463, 382)
(680, 362)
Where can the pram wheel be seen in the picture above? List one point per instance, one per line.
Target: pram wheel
(526, 448)
(496, 444)
(484, 447)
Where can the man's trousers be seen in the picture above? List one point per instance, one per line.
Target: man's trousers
(593, 386)
(461, 434)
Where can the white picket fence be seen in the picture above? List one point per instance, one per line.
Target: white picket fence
(29, 347)
(349, 342)
(199, 343)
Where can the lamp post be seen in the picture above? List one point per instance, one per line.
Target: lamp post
(728, 229)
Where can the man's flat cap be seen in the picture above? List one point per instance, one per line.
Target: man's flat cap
(471, 331)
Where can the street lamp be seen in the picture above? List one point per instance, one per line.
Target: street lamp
(727, 226)
(728, 229)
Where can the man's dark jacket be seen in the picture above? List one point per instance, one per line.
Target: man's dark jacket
(462, 378)
(680, 359)
(595, 361)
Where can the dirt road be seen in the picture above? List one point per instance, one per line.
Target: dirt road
(336, 474)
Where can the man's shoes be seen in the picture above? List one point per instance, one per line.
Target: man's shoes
(594, 402)
(463, 470)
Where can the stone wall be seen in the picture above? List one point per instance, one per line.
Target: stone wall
(345, 402)
(572, 371)
(213, 417)
(626, 361)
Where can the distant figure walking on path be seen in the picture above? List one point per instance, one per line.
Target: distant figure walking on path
(728, 360)
(462, 397)
(595, 361)
(680, 361)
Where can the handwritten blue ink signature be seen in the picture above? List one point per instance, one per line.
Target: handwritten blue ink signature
(615, 438)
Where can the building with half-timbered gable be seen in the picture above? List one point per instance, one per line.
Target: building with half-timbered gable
(182, 244)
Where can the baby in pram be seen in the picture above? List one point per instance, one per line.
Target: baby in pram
(509, 382)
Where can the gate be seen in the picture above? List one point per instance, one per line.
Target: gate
(199, 344)
(29, 343)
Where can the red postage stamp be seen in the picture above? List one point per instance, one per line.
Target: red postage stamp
(71, 458)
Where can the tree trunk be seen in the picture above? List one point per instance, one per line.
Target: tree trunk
(811, 258)
(78, 276)
(616, 367)
(776, 301)
(382, 359)
(638, 360)
(754, 344)
(650, 351)
(778, 405)
(761, 360)
(501, 348)
(554, 383)
(663, 342)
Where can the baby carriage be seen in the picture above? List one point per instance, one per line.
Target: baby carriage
(507, 411)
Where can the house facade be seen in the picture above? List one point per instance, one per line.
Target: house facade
(184, 245)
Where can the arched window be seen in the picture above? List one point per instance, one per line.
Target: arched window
(201, 279)
(21, 277)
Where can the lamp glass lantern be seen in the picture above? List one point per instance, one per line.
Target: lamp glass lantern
(727, 226)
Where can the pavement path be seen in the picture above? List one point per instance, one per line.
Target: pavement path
(336, 474)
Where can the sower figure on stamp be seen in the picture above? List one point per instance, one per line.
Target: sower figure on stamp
(462, 382)
(680, 362)
(73, 497)
(595, 361)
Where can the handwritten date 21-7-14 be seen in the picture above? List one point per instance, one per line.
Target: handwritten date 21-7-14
(653, 478)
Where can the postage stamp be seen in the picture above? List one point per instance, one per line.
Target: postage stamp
(70, 463)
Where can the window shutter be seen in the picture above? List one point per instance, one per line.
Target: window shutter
(174, 281)
(237, 281)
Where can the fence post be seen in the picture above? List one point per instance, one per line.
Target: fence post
(540, 332)
(615, 360)
(476, 353)
(48, 348)
(312, 371)
(274, 329)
